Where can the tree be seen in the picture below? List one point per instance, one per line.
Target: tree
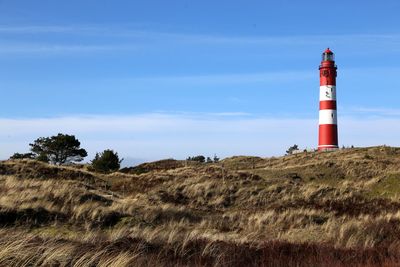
(106, 161)
(22, 156)
(209, 160)
(199, 158)
(216, 159)
(292, 149)
(59, 149)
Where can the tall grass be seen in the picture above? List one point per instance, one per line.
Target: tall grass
(310, 209)
(24, 249)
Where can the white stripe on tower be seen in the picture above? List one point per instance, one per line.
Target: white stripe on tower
(327, 93)
(327, 116)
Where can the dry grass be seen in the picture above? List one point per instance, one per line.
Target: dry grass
(310, 209)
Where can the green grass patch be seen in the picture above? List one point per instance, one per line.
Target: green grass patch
(59, 231)
(387, 187)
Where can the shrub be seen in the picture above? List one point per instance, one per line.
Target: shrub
(43, 158)
(292, 149)
(199, 158)
(22, 156)
(106, 161)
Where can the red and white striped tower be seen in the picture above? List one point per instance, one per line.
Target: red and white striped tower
(328, 131)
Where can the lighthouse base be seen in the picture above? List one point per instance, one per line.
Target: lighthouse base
(327, 148)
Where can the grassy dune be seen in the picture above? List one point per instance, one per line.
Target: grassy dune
(312, 209)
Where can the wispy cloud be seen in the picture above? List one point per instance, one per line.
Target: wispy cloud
(229, 78)
(146, 123)
(129, 31)
(127, 34)
(372, 111)
(291, 40)
(154, 136)
(39, 29)
(55, 48)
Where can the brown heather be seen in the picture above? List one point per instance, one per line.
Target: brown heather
(311, 209)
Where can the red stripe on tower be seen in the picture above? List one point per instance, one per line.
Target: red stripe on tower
(328, 131)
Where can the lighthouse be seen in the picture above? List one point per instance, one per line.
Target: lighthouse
(328, 130)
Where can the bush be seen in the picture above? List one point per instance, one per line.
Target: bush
(43, 158)
(106, 161)
(22, 156)
(199, 158)
(292, 149)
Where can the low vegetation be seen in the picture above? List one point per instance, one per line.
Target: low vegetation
(307, 209)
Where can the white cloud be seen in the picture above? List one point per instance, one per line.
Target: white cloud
(155, 136)
(218, 79)
(377, 111)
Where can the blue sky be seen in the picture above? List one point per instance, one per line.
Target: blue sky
(156, 79)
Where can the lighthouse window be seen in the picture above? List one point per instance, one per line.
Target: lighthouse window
(332, 115)
(328, 57)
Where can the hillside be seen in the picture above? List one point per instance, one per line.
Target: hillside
(311, 209)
